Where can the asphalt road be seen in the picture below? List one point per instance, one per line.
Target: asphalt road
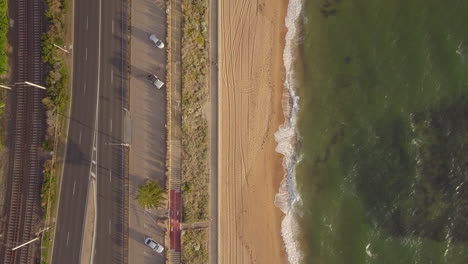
(112, 102)
(98, 66)
(74, 187)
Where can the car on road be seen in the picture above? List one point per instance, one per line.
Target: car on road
(155, 80)
(157, 42)
(155, 246)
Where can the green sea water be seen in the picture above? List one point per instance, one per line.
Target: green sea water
(383, 124)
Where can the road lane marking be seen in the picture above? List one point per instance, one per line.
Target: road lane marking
(111, 125)
(112, 76)
(87, 23)
(68, 237)
(110, 176)
(112, 26)
(96, 122)
(110, 226)
(74, 184)
(79, 138)
(84, 90)
(86, 54)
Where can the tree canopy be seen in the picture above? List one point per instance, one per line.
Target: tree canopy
(149, 194)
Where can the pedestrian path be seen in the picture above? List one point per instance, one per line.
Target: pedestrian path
(175, 119)
(174, 257)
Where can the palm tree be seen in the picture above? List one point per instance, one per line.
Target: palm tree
(149, 194)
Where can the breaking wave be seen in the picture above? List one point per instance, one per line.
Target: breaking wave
(287, 198)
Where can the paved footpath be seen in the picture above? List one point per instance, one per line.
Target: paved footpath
(175, 119)
(148, 131)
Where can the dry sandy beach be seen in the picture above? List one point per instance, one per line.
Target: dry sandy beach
(251, 42)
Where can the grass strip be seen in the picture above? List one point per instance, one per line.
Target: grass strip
(194, 97)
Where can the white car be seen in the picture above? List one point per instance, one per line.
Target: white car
(155, 80)
(155, 246)
(157, 42)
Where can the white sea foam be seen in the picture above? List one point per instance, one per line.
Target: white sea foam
(286, 137)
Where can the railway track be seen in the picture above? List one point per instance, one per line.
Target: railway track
(25, 166)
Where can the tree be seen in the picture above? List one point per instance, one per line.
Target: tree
(149, 194)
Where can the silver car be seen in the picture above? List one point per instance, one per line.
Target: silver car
(155, 246)
(155, 80)
(157, 42)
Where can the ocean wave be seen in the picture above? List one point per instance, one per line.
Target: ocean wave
(286, 137)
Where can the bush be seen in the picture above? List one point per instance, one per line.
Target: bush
(149, 195)
(57, 76)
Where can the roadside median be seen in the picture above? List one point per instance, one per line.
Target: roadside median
(58, 61)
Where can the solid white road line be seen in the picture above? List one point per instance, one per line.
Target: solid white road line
(96, 122)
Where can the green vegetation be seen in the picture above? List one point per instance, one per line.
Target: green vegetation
(57, 89)
(194, 124)
(3, 36)
(3, 57)
(194, 246)
(150, 195)
(49, 192)
(55, 103)
(57, 75)
(45, 244)
(49, 187)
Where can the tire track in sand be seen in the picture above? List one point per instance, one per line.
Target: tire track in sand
(250, 88)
